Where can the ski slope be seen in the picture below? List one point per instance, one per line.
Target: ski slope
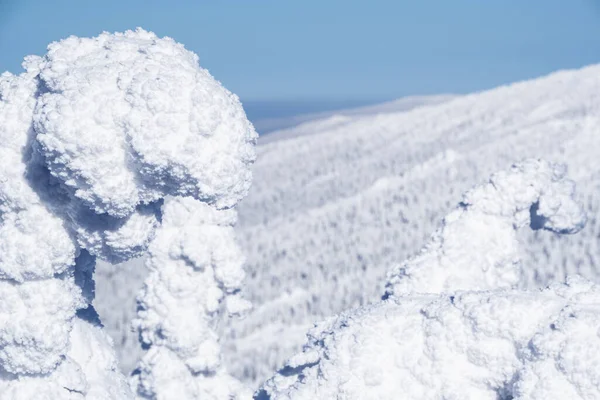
(337, 203)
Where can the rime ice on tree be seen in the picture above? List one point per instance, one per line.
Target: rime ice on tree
(476, 247)
(51, 344)
(96, 135)
(195, 266)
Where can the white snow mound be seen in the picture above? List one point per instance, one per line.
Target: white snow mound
(195, 274)
(502, 344)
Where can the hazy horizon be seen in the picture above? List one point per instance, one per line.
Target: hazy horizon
(344, 51)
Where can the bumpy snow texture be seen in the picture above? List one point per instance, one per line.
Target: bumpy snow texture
(454, 325)
(196, 270)
(94, 136)
(477, 248)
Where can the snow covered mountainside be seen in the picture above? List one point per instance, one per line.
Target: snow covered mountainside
(284, 125)
(331, 212)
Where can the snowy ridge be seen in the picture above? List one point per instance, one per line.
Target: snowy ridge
(476, 247)
(290, 127)
(316, 221)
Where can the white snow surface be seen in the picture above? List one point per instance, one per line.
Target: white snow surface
(499, 344)
(331, 212)
(130, 117)
(89, 371)
(38, 297)
(456, 325)
(96, 135)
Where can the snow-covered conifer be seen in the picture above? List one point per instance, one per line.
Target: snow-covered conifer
(97, 135)
(195, 273)
(476, 248)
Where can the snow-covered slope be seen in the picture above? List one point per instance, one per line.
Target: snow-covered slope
(331, 212)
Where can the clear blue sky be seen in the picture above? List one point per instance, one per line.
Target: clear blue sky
(334, 49)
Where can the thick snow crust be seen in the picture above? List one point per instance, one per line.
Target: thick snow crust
(96, 135)
(129, 118)
(500, 344)
(455, 325)
(89, 371)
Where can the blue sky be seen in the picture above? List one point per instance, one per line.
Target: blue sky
(332, 50)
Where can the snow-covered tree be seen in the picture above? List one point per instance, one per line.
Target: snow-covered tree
(454, 325)
(196, 271)
(102, 140)
(51, 343)
(476, 248)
